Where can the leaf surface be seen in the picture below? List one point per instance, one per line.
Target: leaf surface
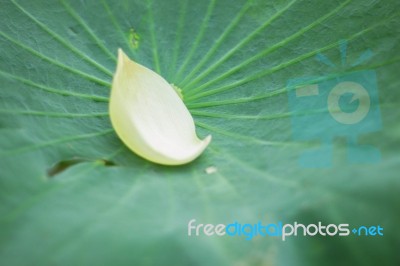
(233, 62)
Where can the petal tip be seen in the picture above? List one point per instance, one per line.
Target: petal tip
(122, 57)
(207, 140)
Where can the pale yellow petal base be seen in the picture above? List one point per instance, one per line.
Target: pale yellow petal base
(150, 117)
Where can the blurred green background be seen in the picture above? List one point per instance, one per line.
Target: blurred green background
(72, 194)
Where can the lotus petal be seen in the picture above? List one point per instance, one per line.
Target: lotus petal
(149, 116)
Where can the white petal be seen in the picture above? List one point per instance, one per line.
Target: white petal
(150, 117)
